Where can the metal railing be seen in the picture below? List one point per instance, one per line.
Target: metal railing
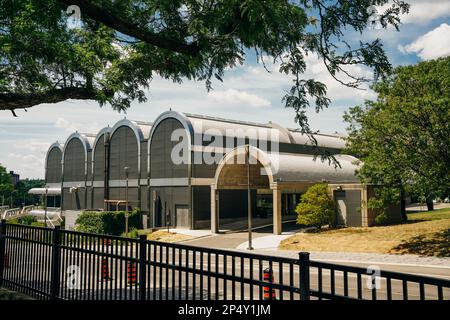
(11, 213)
(60, 264)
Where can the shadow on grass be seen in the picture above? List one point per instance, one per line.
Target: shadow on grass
(437, 245)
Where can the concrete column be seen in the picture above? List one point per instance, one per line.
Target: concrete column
(277, 228)
(214, 211)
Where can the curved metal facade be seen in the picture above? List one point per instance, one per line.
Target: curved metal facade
(177, 192)
(127, 140)
(169, 178)
(100, 166)
(76, 160)
(53, 165)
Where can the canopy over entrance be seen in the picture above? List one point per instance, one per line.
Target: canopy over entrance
(43, 191)
(277, 172)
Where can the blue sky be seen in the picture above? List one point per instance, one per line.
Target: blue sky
(248, 93)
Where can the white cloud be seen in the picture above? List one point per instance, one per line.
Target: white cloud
(70, 127)
(62, 123)
(237, 97)
(431, 45)
(27, 165)
(36, 146)
(424, 11)
(421, 12)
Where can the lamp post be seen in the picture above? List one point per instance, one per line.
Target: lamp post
(126, 169)
(45, 206)
(249, 205)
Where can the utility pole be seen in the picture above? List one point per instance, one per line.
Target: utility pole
(249, 204)
(126, 201)
(45, 206)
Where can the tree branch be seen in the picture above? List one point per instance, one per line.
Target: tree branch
(126, 27)
(14, 101)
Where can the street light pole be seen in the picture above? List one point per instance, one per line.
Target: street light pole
(45, 206)
(126, 201)
(249, 205)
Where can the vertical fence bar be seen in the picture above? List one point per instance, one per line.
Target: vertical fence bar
(304, 275)
(359, 281)
(2, 249)
(319, 282)
(142, 266)
(56, 257)
(440, 293)
(422, 291)
(405, 289)
(291, 281)
(389, 288)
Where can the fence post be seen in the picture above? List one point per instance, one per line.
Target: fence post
(304, 275)
(142, 266)
(2, 249)
(56, 263)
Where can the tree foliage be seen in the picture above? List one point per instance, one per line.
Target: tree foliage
(119, 46)
(107, 222)
(17, 195)
(316, 207)
(402, 138)
(6, 186)
(22, 188)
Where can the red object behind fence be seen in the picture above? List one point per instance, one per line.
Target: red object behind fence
(131, 272)
(268, 294)
(105, 269)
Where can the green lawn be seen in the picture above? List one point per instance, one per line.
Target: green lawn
(433, 215)
(425, 234)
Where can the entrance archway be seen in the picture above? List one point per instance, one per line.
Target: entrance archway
(234, 175)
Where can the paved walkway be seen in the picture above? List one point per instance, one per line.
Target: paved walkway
(417, 207)
(360, 257)
(264, 242)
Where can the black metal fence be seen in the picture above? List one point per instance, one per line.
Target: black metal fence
(60, 264)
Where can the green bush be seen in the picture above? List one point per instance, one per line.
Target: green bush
(382, 219)
(132, 233)
(90, 221)
(316, 207)
(107, 222)
(27, 221)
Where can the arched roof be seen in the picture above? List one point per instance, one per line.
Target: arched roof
(181, 117)
(52, 146)
(140, 129)
(86, 139)
(200, 124)
(97, 137)
(283, 167)
(256, 154)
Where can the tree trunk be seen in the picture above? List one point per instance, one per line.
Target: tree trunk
(403, 209)
(430, 205)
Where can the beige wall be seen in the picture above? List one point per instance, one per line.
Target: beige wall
(350, 209)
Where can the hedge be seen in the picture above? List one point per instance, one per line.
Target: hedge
(108, 222)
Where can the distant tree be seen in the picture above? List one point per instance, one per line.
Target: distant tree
(22, 188)
(119, 46)
(6, 186)
(316, 207)
(402, 138)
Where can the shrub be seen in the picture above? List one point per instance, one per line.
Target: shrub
(108, 222)
(90, 221)
(132, 233)
(316, 207)
(382, 219)
(27, 221)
